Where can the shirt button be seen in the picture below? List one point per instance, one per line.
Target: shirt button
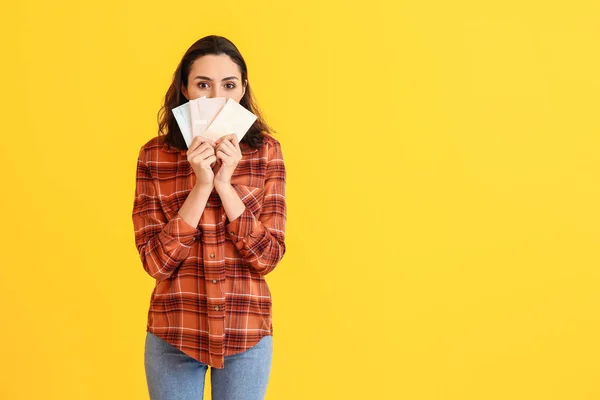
(212, 255)
(207, 204)
(232, 233)
(214, 281)
(217, 308)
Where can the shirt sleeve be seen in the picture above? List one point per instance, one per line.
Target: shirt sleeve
(162, 244)
(261, 241)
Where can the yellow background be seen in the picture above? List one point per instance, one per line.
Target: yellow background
(443, 191)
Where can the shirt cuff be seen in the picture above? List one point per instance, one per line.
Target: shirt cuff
(179, 229)
(244, 227)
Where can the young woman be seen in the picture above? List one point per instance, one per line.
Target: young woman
(209, 224)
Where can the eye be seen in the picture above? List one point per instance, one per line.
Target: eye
(201, 83)
(232, 86)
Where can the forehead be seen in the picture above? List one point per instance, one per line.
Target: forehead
(215, 67)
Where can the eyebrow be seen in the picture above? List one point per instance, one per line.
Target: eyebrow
(210, 79)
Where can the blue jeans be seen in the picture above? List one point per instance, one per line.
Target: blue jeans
(173, 375)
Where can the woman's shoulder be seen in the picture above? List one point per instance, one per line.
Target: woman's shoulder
(273, 148)
(265, 146)
(156, 141)
(271, 144)
(269, 139)
(156, 147)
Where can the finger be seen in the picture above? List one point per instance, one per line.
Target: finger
(208, 161)
(203, 147)
(235, 142)
(211, 159)
(226, 137)
(196, 142)
(192, 146)
(227, 148)
(229, 143)
(222, 155)
(203, 153)
(207, 153)
(234, 147)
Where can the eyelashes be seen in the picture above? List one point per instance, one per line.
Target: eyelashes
(228, 84)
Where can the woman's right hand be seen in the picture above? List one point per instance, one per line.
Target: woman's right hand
(201, 156)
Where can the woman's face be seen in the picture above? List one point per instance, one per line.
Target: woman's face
(214, 76)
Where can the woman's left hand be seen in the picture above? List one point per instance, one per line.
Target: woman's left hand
(229, 154)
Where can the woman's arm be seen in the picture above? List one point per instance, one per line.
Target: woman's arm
(260, 241)
(163, 244)
(233, 205)
(194, 205)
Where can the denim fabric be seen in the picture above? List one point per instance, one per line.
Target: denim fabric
(173, 375)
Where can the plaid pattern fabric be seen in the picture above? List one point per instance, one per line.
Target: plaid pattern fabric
(210, 299)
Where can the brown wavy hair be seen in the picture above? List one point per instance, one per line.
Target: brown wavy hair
(217, 45)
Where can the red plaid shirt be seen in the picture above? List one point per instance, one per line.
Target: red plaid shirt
(211, 298)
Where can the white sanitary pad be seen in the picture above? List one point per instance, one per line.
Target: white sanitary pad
(213, 118)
